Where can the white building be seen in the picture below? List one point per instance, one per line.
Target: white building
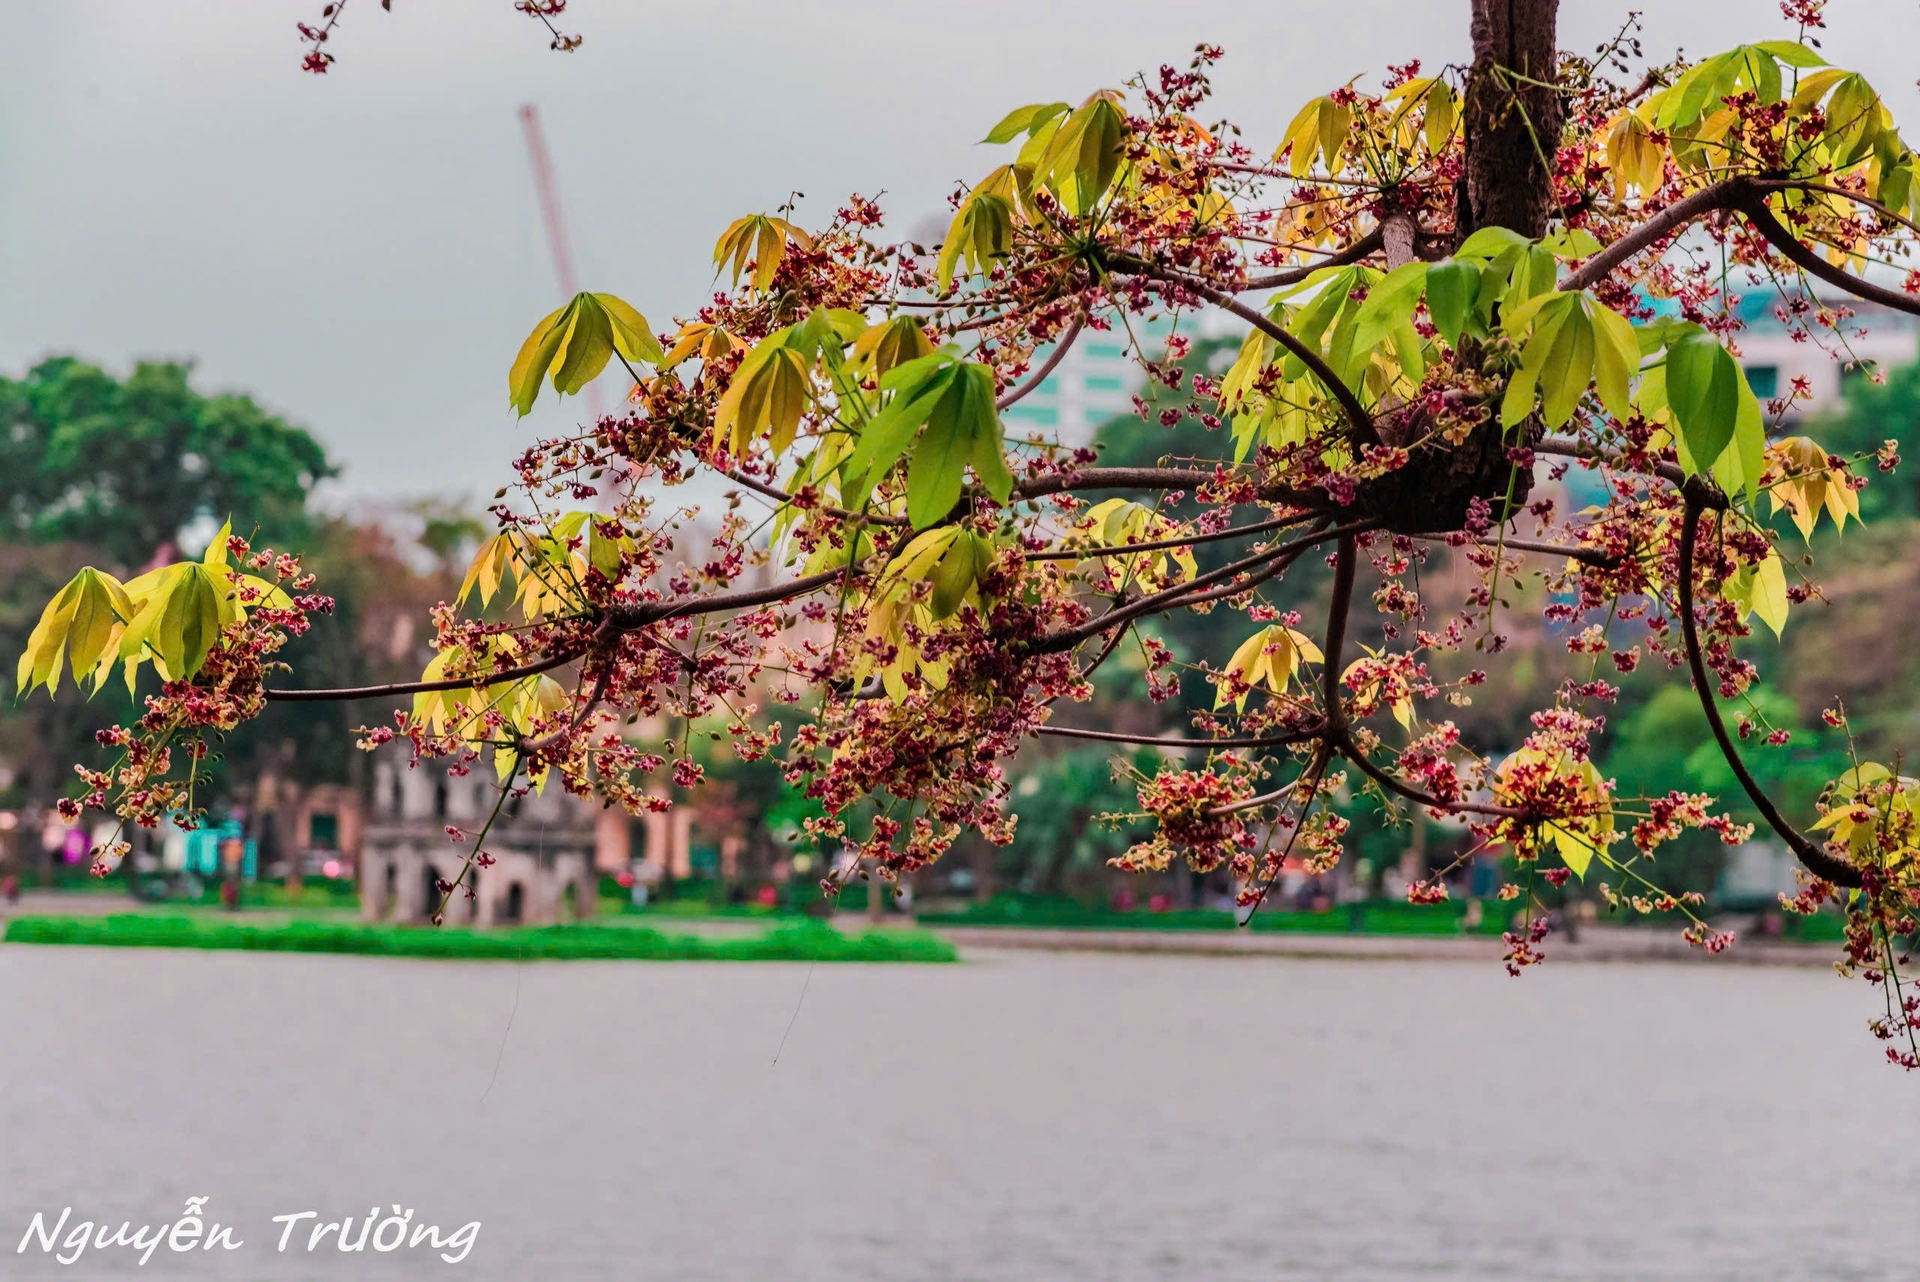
(1873, 337)
(1100, 375)
(543, 847)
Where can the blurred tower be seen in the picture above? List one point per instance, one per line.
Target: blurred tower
(548, 190)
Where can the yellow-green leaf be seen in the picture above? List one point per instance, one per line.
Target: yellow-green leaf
(890, 343)
(189, 622)
(1703, 383)
(1443, 113)
(78, 626)
(769, 393)
(1761, 589)
(536, 357)
(1271, 656)
(1320, 128)
(1025, 120)
(632, 336)
(1808, 485)
(216, 553)
(981, 232)
(1085, 152)
(574, 344)
(761, 240)
(491, 561)
(587, 347)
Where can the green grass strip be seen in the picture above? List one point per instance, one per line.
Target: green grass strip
(808, 942)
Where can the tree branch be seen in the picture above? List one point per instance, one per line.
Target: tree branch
(1112, 478)
(1710, 496)
(1357, 416)
(1058, 354)
(782, 496)
(1339, 736)
(1399, 236)
(1177, 741)
(475, 682)
(533, 747)
(1167, 598)
(1068, 638)
(617, 620)
(1867, 202)
(1150, 478)
(1668, 222)
(628, 617)
(1339, 605)
(1790, 247)
(1838, 871)
(1279, 565)
(1351, 751)
(1590, 556)
(1161, 545)
(1366, 247)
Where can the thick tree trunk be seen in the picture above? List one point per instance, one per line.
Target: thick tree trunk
(1512, 120)
(1512, 117)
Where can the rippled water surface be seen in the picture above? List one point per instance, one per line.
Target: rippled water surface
(1021, 1116)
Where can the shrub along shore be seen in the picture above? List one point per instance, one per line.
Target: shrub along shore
(807, 941)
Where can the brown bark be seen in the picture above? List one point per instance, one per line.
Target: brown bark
(1512, 117)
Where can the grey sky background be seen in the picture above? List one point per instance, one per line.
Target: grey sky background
(363, 251)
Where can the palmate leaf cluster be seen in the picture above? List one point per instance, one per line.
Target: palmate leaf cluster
(572, 345)
(1498, 285)
(169, 617)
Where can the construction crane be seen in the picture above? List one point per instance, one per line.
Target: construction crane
(549, 193)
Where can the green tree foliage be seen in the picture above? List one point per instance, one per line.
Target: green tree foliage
(1058, 836)
(1873, 413)
(127, 465)
(1657, 748)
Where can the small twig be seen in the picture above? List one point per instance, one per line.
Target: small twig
(1059, 353)
(1177, 741)
(1161, 545)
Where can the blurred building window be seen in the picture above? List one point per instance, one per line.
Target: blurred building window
(323, 831)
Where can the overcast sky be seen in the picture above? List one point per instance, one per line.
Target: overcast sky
(363, 251)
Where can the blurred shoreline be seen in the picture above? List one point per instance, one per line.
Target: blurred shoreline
(1592, 943)
(1595, 944)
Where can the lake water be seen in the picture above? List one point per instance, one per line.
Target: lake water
(1021, 1116)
